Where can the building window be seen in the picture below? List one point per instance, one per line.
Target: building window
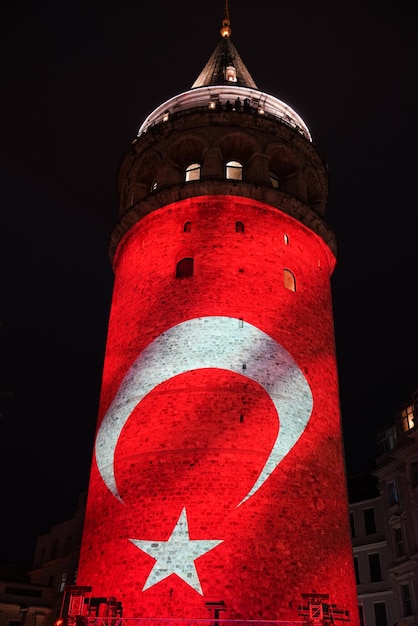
(154, 186)
(406, 600)
(369, 521)
(184, 268)
(275, 180)
(357, 570)
(289, 280)
(386, 439)
(63, 581)
(407, 417)
(393, 495)
(192, 172)
(233, 170)
(187, 228)
(380, 616)
(286, 239)
(361, 614)
(398, 539)
(352, 525)
(374, 567)
(239, 227)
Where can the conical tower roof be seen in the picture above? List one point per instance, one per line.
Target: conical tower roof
(224, 80)
(225, 66)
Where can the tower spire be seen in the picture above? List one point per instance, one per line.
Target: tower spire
(226, 24)
(225, 66)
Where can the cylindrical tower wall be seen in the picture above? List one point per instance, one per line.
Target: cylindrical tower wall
(219, 447)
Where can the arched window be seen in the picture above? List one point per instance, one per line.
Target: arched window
(286, 239)
(289, 280)
(184, 268)
(192, 172)
(233, 170)
(275, 180)
(239, 227)
(187, 228)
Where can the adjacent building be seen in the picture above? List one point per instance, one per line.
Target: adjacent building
(56, 557)
(23, 603)
(384, 524)
(397, 474)
(371, 552)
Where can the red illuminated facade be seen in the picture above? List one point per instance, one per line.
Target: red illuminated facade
(218, 471)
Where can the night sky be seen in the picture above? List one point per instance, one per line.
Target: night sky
(77, 81)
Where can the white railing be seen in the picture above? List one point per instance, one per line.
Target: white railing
(218, 97)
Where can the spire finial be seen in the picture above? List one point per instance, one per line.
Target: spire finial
(226, 24)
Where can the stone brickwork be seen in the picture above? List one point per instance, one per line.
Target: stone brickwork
(200, 439)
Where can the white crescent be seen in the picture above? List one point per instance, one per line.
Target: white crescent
(211, 342)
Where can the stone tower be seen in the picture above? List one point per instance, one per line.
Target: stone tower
(218, 475)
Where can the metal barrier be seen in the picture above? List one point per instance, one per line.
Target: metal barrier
(81, 620)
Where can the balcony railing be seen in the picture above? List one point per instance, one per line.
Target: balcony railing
(212, 97)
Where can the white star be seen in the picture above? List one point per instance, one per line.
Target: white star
(176, 555)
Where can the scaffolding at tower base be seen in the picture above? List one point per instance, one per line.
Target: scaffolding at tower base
(317, 611)
(79, 608)
(80, 620)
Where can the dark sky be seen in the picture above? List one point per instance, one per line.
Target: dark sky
(77, 81)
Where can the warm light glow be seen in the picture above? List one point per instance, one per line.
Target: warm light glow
(231, 74)
(193, 172)
(233, 170)
(289, 280)
(408, 418)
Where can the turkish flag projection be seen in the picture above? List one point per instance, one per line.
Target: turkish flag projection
(218, 472)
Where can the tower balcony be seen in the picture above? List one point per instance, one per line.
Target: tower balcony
(226, 98)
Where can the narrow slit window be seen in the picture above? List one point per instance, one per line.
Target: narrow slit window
(286, 239)
(233, 170)
(289, 280)
(192, 172)
(184, 268)
(239, 227)
(274, 180)
(187, 227)
(407, 608)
